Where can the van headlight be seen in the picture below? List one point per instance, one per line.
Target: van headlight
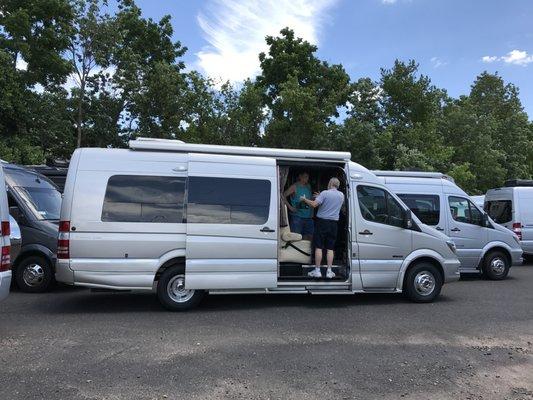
(452, 246)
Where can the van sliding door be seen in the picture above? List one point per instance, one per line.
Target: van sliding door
(232, 222)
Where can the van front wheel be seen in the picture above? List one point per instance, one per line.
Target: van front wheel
(423, 283)
(496, 266)
(172, 293)
(34, 275)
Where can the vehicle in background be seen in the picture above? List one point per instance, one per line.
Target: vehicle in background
(15, 238)
(483, 246)
(5, 248)
(512, 207)
(479, 200)
(187, 219)
(35, 203)
(56, 174)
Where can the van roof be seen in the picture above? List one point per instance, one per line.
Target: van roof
(414, 174)
(151, 144)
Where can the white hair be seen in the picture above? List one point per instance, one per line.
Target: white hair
(334, 182)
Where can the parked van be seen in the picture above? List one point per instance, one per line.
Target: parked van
(512, 206)
(5, 260)
(34, 202)
(483, 246)
(187, 219)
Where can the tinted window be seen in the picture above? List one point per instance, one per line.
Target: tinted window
(377, 205)
(426, 207)
(43, 202)
(463, 210)
(501, 211)
(228, 201)
(131, 198)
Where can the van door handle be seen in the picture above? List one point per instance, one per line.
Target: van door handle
(366, 232)
(439, 228)
(456, 230)
(267, 229)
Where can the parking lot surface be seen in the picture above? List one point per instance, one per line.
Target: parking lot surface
(475, 342)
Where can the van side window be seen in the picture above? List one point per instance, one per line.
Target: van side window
(425, 206)
(463, 210)
(377, 205)
(134, 198)
(501, 211)
(228, 201)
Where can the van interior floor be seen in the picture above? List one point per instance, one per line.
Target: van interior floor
(298, 272)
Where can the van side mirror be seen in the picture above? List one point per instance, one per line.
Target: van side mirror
(15, 212)
(408, 219)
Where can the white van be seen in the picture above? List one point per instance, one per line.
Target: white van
(186, 219)
(5, 259)
(512, 206)
(483, 246)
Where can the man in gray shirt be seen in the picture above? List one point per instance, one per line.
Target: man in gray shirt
(330, 202)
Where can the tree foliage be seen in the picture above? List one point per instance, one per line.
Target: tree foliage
(88, 73)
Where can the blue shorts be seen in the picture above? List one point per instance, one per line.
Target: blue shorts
(303, 226)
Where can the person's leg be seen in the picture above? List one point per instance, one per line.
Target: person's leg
(296, 224)
(318, 244)
(330, 256)
(330, 245)
(308, 228)
(318, 257)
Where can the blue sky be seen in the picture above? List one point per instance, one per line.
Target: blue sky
(453, 40)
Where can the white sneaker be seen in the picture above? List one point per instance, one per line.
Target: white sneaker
(330, 274)
(315, 273)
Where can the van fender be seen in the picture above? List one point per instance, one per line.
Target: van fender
(35, 248)
(178, 253)
(419, 253)
(491, 245)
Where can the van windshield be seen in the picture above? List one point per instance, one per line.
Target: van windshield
(501, 211)
(44, 203)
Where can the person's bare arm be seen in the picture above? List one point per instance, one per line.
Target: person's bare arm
(312, 203)
(290, 191)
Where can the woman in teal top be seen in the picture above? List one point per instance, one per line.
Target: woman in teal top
(301, 214)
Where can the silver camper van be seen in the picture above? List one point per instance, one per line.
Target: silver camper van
(512, 206)
(483, 246)
(189, 219)
(5, 259)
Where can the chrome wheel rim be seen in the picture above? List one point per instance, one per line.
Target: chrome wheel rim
(497, 265)
(176, 290)
(424, 283)
(33, 275)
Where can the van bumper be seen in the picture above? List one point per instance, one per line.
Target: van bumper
(516, 257)
(451, 270)
(64, 273)
(5, 284)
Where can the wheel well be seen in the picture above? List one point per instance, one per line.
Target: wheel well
(32, 253)
(493, 249)
(179, 261)
(417, 261)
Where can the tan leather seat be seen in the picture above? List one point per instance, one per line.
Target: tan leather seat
(292, 248)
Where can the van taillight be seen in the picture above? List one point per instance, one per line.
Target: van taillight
(5, 259)
(6, 231)
(517, 229)
(63, 240)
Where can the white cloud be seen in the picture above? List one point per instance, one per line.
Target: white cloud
(236, 30)
(389, 1)
(514, 57)
(437, 62)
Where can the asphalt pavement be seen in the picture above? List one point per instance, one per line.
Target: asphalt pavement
(475, 342)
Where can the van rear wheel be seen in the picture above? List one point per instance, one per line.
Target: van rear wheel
(423, 283)
(496, 266)
(172, 294)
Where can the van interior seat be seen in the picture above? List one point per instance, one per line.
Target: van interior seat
(292, 248)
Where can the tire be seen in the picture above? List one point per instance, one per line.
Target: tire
(423, 283)
(34, 274)
(496, 265)
(172, 296)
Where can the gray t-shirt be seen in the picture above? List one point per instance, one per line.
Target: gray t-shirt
(330, 202)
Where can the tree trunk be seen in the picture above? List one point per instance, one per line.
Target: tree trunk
(80, 113)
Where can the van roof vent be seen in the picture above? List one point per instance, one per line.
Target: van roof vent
(518, 182)
(414, 174)
(149, 144)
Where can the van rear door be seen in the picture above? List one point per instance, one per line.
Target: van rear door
(525, 199)
(232, 222)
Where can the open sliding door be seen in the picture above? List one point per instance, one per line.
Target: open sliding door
(232, 222)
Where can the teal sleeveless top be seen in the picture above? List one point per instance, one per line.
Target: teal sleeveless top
(303, 210)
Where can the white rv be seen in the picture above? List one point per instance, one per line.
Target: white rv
(190, 219)
(5, 260)
(512, 206)
(483, 246)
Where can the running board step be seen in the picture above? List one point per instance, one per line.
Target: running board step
(330, 291)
